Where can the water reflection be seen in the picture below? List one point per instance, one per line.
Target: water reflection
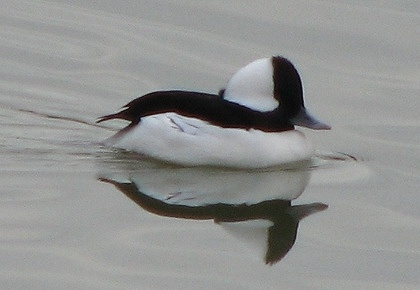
(255, 206)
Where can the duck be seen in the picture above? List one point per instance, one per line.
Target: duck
(247, 125)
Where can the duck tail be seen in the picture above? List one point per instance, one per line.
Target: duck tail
(109, 117)
(126, 113)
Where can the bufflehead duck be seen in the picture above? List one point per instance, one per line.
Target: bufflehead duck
(249, 124)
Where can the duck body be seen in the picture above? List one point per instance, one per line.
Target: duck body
(250, 124)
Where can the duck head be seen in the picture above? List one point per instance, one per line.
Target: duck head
(272, 84)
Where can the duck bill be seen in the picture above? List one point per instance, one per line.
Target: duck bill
(304, 119)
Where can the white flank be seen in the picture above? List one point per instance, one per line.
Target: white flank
(192, 142)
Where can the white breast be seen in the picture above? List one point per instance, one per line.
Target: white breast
(192, 142)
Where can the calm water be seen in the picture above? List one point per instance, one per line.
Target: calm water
(74, 215)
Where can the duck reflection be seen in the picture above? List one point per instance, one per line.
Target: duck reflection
(251, 205)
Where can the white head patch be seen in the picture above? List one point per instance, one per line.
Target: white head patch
(252, 86)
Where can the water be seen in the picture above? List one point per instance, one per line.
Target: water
(64, 226)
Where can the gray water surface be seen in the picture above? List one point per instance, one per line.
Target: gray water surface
(64, 226)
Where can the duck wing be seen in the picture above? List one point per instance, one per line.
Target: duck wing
(207, 107)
